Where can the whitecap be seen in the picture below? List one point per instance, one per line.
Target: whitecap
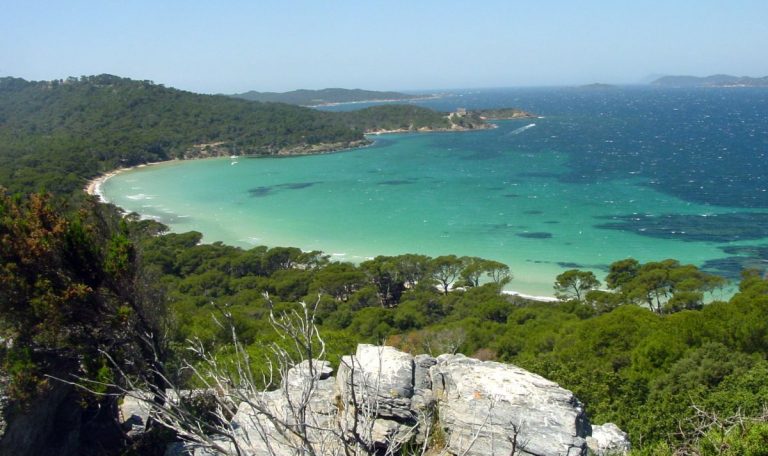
(522, 129)
(136, 197)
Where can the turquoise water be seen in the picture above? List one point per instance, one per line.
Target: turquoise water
(563, 193)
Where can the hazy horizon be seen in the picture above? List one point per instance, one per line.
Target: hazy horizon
(239, 46)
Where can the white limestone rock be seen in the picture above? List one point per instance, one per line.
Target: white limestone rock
(382, 398)
(378, 375)
(608, 440)
(488, 408)
(258, 435)
(134, 411)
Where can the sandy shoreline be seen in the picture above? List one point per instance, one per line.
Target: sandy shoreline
(531, 297)
(93, 187)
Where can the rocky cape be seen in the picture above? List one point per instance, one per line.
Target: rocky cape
(461, 120)
(503, 114)
(382, 401)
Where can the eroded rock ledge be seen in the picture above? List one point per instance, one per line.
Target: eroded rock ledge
(382, 398)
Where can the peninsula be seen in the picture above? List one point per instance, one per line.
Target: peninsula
(88, 126)
(503, 114)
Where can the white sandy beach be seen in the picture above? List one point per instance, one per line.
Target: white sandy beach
(93, 187)
(531, 297)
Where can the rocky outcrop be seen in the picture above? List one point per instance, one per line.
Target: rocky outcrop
(382, 399)
(608, 440)
(491, 408)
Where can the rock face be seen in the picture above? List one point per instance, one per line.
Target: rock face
(306, 398)
(376, 387)
(382, 399)
(491, 408)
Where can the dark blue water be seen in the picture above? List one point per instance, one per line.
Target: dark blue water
(706, 146)
(703, 145)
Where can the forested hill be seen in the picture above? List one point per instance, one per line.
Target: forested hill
(54, 134)
(323, 97)
(394, 117)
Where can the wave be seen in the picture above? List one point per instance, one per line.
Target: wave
(139, 196)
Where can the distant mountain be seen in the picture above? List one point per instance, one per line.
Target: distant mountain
(324, 97)
(717, 80)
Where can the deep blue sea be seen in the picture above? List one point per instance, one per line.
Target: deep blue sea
(604, 174)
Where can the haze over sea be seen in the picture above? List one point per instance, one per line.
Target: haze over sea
(604, 175)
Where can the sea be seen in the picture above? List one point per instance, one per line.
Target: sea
(601, 175)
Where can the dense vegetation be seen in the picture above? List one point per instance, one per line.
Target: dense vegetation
(649, 355)
(53, 134)
(502, 114)
(394, 117)
(80, 284)
(325, 96)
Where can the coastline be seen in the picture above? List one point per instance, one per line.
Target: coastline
(454, 129)
(93, 186)
(529, 297)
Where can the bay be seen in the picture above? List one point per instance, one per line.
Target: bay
(604, 175)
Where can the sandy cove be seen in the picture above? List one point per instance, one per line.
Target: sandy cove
(93, 187)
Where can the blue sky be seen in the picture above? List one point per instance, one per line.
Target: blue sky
(234, 46)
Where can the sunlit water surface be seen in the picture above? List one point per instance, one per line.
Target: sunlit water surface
(604, 175)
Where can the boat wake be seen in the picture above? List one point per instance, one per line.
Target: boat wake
(522, 129)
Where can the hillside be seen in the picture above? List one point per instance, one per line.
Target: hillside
(388, 118)
(54, 134)
(503, 114)
(305, 97)
(718, 80)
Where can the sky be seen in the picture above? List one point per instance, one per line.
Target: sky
(236, 46)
